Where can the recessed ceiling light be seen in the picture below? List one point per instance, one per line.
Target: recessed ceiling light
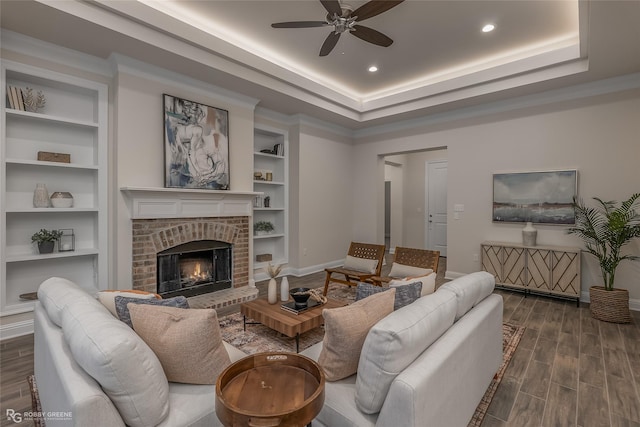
(488, 28)
(373, 69)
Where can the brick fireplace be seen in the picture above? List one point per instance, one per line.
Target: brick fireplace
(151, 236)
(164, 218)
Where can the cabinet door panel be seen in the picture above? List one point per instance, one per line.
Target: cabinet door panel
(539, 269)
(492, 261)
(514, 266)
(566, 273)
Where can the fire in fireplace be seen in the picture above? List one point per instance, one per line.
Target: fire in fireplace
(195, 268)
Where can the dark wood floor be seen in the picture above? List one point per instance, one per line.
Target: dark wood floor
(569, 369)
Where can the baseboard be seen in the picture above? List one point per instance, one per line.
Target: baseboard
(16, 329)
(634, 304)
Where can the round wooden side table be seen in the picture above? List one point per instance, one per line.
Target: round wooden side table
(270, 390)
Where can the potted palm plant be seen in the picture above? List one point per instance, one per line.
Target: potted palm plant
(605, 230)
(46, 240)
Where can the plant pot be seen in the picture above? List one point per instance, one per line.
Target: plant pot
(46, 247)
(609, 306)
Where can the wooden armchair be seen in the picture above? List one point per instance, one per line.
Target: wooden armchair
(422, 258)
(364, 251)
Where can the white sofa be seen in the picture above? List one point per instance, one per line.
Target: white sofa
(446, 347)
(426, 364)
(122, 361)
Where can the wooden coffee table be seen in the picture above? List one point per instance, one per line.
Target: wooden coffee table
(270, 389)
(287, 323)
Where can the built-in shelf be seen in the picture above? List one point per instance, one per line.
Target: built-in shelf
(72, 122)
(277, 213)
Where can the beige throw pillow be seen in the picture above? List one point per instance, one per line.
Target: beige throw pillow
(428, 283)
(345, 329)
(405, 271)
(361, 264)
(187, 341)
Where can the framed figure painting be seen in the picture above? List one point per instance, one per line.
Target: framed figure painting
(196, 145)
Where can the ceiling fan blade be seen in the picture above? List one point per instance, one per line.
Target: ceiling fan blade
(300, 24)
(332, 6)
(370, 35)
(373, 8)
(329, 43)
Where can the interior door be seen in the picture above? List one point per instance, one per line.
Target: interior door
(436, 198)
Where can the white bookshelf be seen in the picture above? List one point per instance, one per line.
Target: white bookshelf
(74, 122)
(277, 242)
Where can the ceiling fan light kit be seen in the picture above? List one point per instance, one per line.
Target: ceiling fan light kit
(344, 19)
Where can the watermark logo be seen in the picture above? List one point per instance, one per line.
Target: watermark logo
(18, 417)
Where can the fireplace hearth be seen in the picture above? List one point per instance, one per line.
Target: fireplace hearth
(195, 268)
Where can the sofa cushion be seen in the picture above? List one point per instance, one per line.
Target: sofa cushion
(122, 305)
(402, 271)
(361, 264)
(405, 294)
(395, 342)
(470, 290)
(345, 329)
(187, 342)
(56, 293)
(119, 360)
(428, 283)
(107, 297)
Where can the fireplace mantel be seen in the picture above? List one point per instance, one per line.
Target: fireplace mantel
(150, 203)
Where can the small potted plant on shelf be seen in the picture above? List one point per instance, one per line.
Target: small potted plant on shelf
(46, 240)
(263, 227)
(605, 230)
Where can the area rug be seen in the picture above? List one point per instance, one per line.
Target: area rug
(259, 338)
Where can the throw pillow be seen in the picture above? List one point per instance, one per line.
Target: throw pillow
(405, 294)
(345, 329)
(107, 297)
(428, 283)
(402, 271)
(187, 342)
(122, 305)
(361, 264)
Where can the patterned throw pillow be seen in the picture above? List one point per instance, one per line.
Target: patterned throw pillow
(108, 297)
(123, 311)
(405, 294)
(187, 342)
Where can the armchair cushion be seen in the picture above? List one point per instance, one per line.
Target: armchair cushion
(401, 271)
(361, 264)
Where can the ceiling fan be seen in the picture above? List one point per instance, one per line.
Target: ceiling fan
(344, 19)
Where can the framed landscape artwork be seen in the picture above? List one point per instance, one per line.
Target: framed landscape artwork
(540, 197)
(196, 145)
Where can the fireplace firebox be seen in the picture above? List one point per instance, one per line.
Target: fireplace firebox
(195, 268)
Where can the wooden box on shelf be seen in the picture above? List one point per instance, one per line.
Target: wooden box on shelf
(45, 156)
(264, 257)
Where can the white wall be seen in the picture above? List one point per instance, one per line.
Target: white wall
(325, 198)
(394, 172)
(140, 147)
(598, 136)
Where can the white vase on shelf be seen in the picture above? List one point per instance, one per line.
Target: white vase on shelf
(272, 291)
(41, 196)
(284, 289)
(529, 235)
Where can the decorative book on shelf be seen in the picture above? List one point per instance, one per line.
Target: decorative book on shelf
(291, 306)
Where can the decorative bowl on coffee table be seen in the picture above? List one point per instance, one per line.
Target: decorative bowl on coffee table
(300, 296)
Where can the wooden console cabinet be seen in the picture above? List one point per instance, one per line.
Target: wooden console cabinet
(543, 269)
